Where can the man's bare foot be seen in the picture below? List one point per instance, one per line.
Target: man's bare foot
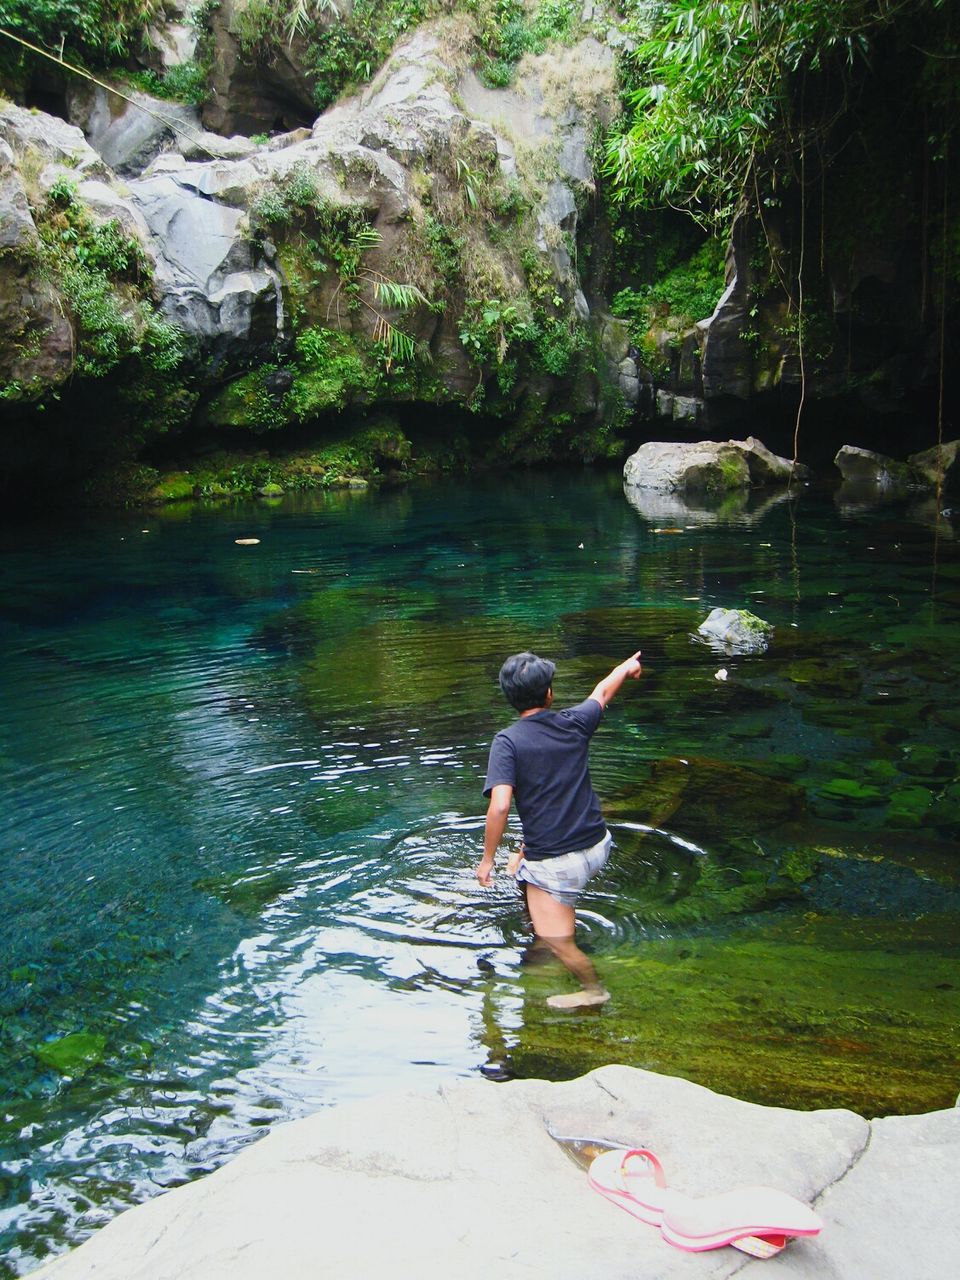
(579, 999)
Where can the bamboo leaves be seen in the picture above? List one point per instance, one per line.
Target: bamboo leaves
(714, 115)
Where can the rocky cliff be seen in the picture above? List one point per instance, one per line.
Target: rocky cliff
(418, 244)
(436, 240)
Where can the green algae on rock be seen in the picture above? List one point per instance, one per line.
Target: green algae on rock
(698, 796)
(769, 1013)
(73, 1054)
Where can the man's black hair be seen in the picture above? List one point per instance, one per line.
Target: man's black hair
(525, 679)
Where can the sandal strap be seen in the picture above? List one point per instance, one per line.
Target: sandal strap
(659, 1177)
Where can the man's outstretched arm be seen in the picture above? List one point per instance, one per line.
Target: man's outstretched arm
(498, 811)
(609, 686)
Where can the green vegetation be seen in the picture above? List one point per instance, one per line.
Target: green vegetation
(98, 32)
(726, 95)
(184, 83)
(334, 237)
(507, 29)
(770, 1012)
(73, 1054)
(104, 279)
(372, 453)
(687, 293)
(344, 49)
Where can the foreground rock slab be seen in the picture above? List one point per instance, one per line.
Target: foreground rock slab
(467, 1181)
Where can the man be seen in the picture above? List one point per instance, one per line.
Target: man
(541, 760)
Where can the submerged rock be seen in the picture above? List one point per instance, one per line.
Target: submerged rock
(697, 797)
(736, 631)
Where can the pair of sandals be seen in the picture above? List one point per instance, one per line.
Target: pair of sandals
(756, 1220)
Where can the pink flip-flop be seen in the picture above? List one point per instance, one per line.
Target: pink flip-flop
(634, 1180)
(757, 1220)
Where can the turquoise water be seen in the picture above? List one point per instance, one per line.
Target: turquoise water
(241, 809)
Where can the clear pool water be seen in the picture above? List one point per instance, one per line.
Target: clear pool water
(241, 809)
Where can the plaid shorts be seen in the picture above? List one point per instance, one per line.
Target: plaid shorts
(564, 877)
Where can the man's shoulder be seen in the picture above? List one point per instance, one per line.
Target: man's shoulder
(587, 712)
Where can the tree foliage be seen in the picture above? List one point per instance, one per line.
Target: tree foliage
(99, 32)
(725, 95)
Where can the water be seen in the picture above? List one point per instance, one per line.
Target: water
(241, 810)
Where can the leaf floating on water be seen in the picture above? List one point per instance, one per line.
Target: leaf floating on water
(721, 674)
(668, 531)
(247, 542)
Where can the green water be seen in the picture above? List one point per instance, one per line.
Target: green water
(241, 809)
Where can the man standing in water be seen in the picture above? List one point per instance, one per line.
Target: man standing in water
(541, 759)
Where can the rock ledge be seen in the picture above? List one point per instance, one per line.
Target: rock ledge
(467, 1181)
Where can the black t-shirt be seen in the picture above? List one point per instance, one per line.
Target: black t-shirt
(544, 758)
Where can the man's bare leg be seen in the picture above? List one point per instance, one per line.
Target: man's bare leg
(555, 924)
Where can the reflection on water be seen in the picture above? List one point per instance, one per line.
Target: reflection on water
(242, 809)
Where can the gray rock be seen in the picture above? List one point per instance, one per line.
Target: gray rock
(888, 1212)
(614, 337)
(215, 285)
(61, 146)
(127, 135)
(938, 466)
(726, 362)
(203, 145)
(686, 409)
(37, 343)
(175, 41)
(628, 381)
(471, 1154)
(106, 204)
(250, 93)
(733, 631)
(225, 286)
(17, 229)
(706, 465)
(870, 477)
(864, 468)
(665, 403)
(196, 237)
(223, 181)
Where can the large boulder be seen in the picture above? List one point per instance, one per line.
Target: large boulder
(216, 284)
(707, 466)
(127, 133)
(866, 469)
(869, 477)
(937, 467)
